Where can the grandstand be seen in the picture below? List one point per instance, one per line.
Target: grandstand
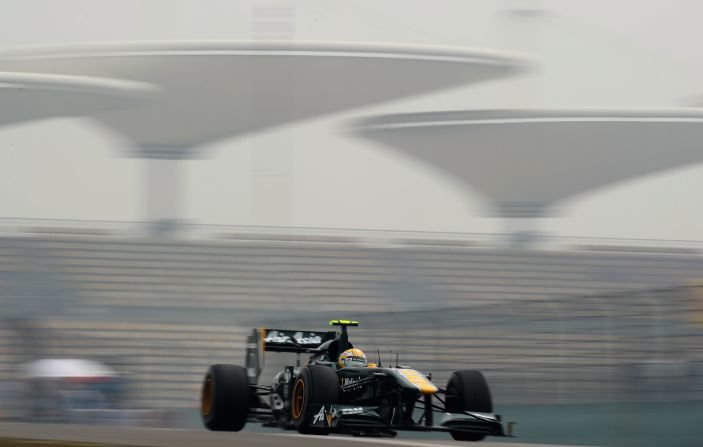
(160, 311)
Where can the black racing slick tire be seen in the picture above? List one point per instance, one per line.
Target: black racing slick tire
(224, 398)
(316, 384)
(468, 391)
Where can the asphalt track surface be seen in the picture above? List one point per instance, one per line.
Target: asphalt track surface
(162, 437)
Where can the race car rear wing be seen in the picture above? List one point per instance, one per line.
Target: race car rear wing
(280, 340)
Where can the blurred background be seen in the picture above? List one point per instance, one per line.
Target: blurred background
(504, 185)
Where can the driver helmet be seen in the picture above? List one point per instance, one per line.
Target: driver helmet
(354, 358)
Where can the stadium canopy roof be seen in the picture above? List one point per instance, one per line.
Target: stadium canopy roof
(214, 90)
(31, 96)
(527, 160)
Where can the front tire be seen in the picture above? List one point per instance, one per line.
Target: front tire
(224, 398)
(468, 391)
(316, 384)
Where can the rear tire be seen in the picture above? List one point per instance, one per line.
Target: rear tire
(224, 398)
(316, 384)
(468, 391)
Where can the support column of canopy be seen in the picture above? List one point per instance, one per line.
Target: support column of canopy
(164, 186)
(521, 222)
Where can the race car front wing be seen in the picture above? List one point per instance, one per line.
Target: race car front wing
(362, 420)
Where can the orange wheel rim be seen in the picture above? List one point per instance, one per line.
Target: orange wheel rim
(206, 397)
(298, 399)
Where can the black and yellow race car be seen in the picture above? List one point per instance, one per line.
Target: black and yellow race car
(321, 398)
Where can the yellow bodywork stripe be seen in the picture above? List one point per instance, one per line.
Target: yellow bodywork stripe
(419, 380)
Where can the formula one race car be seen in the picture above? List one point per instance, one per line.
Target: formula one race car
(331, 396)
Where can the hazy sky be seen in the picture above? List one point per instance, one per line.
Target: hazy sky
(588, 53)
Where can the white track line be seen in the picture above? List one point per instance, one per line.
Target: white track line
(409, 443)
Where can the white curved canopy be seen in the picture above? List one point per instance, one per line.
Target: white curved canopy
(30, 96)
(526, 160)
(213, 90)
